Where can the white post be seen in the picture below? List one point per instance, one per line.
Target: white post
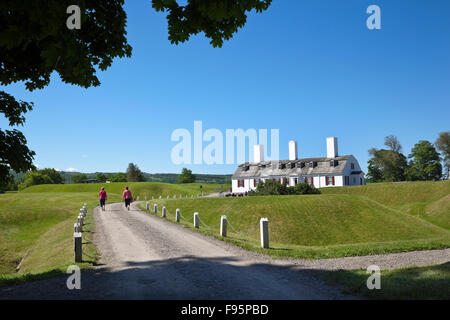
(80, 220)
(137, 198)
(153, 198)
(164, 212)
(168, 197)
(196, 220)
(264, 229)
(160, 197)
(223, 226)
(82, 213)
(145, 198)
(177, 215)
(181, 196)
(77, 227)
(148, 205)
(78, 246)
(155, 208)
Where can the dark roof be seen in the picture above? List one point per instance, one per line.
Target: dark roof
(272, 168)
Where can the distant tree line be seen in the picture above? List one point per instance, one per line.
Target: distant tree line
(19, 181)
(423, 163)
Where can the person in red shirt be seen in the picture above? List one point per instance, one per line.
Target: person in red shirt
(127, 197)
(103, 198)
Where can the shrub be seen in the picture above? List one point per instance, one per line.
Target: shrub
(274, 187)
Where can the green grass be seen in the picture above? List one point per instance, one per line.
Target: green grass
(427, 200)
(38, 223)
(41, 224)
(349, 222)
(430, 282)
(141, 189)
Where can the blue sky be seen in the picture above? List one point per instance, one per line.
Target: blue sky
(311, 69)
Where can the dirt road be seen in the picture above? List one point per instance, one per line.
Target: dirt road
(145, 257)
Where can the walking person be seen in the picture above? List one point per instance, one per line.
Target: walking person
(127, 197)
(103, 197)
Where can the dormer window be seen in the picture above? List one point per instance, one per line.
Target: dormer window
(352, 165)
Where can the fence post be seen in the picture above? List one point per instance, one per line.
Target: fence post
(164, 212)
(145, 198)
(82, 213)
(223, 226)
(148, 205)
(264, 229)
(137, 198)
(177, 215)
(77, 227)
(155, 208)
(160, 197)
(168, 197)
(153, 198)
(196, 220)
(80, 220)
(78, 246)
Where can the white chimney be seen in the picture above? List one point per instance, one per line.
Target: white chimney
(293, 151)
(258, 153)
(332, 147)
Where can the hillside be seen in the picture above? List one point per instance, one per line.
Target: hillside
(142, 189)
(341, 221)
(428, 200)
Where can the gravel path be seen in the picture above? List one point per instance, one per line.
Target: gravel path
(145, 257)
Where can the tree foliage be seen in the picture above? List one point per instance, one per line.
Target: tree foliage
(186, 176)
(274, 187)
(386, 165)
(424, 162)
(35, 42)
(443, 145)
(79, 177)
(218, 19)
(134, 174)
(100, 177)
(14, 154)
(117, 177)
(44, 176)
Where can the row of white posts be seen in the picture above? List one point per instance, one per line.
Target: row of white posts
(77, 235)
(168, 197)
(263, 223)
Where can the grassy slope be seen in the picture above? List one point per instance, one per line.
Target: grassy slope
(430, 282)
(142, 189)
(426, 200)
(353, 221)
(39, 221)
(41, 224)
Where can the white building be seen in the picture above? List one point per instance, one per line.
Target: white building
(330, 171)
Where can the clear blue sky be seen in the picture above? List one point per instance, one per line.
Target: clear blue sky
(308, 68)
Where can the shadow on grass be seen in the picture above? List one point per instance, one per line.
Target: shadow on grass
(431, 282)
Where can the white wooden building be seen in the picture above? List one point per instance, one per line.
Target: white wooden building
(330, 171)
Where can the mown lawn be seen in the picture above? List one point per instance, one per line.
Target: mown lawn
(335, 224)
(40, 226)
(38, 223)
(430, 282)
(141, 189)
